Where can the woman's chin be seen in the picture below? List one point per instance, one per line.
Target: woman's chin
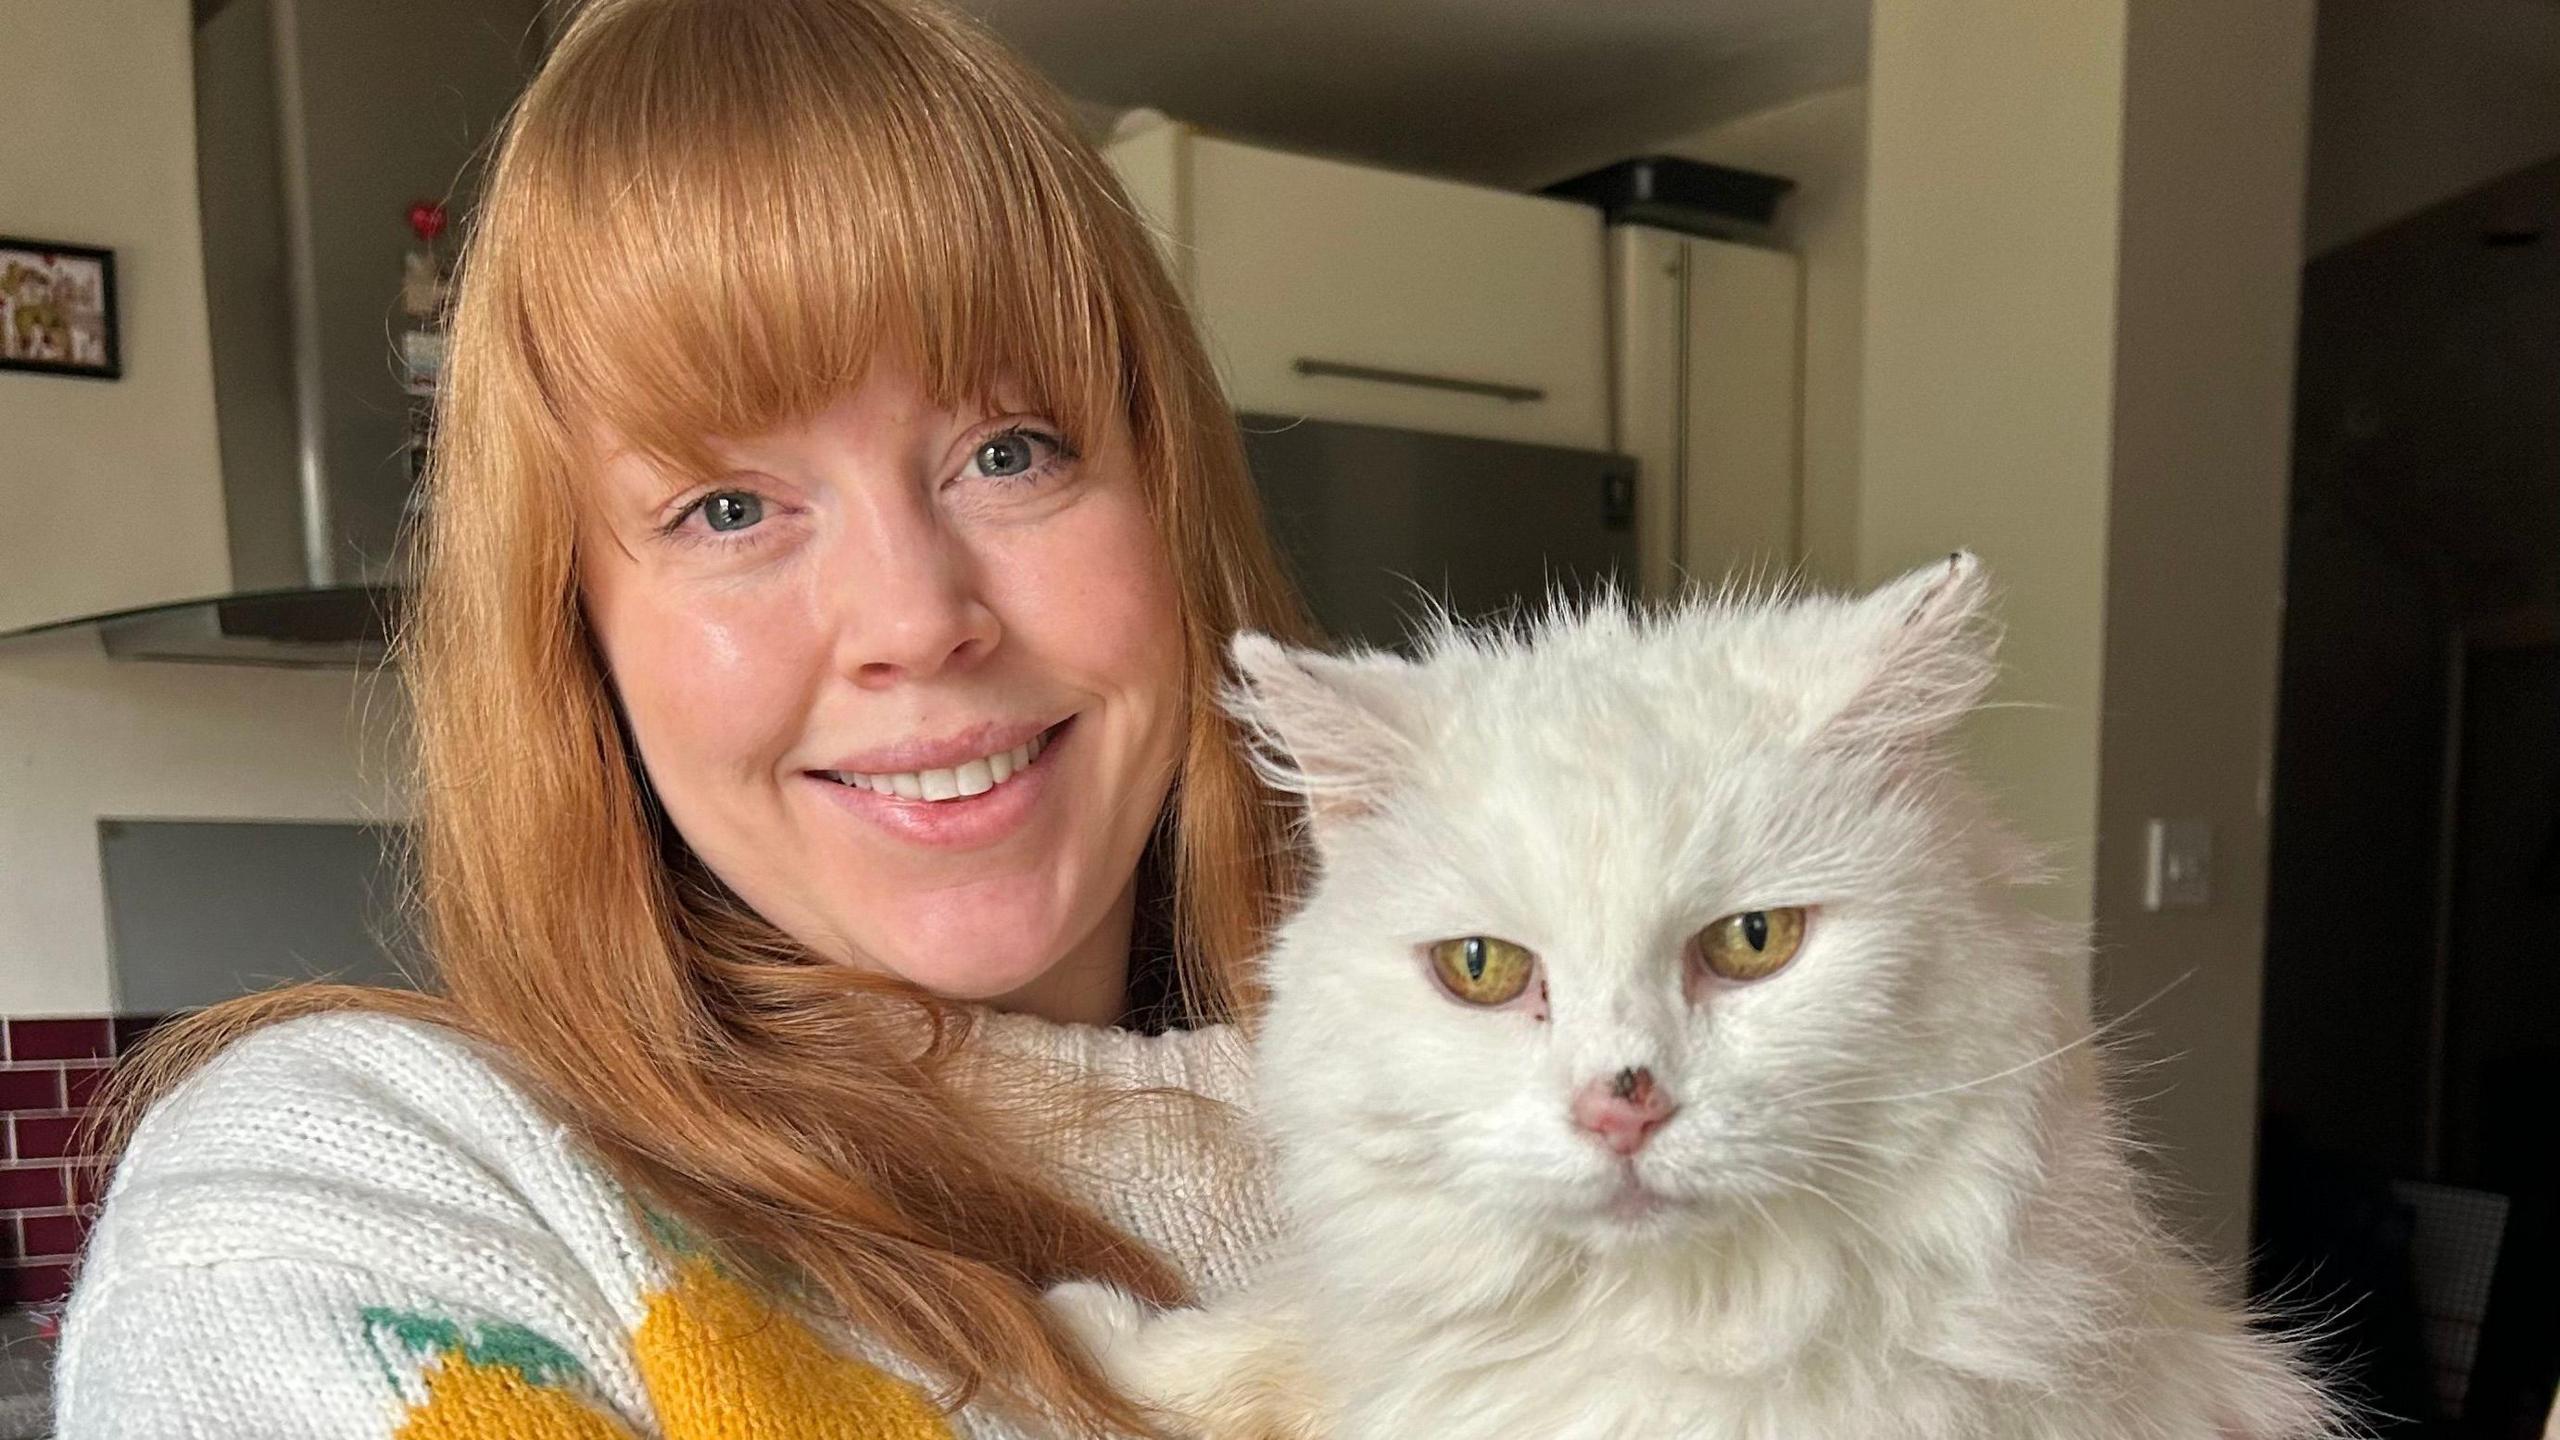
(977, 950)
(977, 977)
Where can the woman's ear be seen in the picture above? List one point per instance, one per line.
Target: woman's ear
(1335, 730)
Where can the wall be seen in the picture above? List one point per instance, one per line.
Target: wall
(2083, 245)
(1820, 142)
(84, 738)
(103, 152)
(1995, 159)
(2417, 101)
(2209, 269)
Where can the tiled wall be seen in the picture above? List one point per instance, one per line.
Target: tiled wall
(50, 1071)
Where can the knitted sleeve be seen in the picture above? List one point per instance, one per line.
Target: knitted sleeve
(250, 1349)
(350, 1227)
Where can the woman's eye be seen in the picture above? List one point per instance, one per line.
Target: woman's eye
(1016, 453)
(731, 510)
(1005, 455)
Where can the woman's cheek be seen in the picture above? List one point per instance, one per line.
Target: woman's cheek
(1099, 587)
(724, 681)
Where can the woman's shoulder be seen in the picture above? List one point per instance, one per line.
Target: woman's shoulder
(389, 1058)
(309, 1129)
(350, 1184)
(361, 1100)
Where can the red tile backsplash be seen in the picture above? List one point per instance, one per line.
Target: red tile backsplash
(80, 1084)
(34, 1088)
(51, 1236)
(45, 1137)
(82, 1039)
(34, 1284)
(50, 1073)
(33, 1187)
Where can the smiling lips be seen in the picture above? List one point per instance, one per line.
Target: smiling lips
(970, 777)
(965, 792)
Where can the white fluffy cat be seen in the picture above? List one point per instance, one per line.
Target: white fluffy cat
(1661, 1052)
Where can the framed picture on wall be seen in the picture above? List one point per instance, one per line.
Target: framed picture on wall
(58, 309)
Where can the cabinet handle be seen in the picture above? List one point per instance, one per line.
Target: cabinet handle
(1341, 371)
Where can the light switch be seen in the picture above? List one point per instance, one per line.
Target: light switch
(2181, 872)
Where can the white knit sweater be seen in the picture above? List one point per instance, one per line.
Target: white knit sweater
(352, 1226)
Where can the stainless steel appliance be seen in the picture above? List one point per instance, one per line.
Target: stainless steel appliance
(1372, 519)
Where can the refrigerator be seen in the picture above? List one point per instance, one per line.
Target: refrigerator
(1377, 523)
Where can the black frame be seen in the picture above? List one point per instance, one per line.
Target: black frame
(113, 369)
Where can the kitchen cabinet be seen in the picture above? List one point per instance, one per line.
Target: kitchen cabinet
(1351, 293)
(1708, 339)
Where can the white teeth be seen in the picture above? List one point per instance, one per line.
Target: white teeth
(975, 777)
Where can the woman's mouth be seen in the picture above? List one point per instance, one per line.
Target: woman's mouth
(963, 806)
(964, 781)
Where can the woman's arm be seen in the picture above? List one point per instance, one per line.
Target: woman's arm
(288, 1351)
(350, 1227)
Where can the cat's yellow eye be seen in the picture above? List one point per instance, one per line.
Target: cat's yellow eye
(1482, 970)
(1752, 945)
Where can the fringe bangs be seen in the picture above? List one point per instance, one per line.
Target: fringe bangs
(717, 222)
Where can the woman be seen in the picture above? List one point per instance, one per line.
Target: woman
(831, 545)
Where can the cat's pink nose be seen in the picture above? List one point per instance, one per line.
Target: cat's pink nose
(1623, 1110)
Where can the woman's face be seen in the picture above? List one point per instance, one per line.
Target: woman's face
(908, 680)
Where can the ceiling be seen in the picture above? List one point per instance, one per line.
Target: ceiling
(1514, 92)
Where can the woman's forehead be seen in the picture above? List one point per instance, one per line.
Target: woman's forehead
(891, 392)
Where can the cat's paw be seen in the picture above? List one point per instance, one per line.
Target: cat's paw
(1105, 1317)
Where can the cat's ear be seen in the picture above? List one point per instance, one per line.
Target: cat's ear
(1921, 654)
(1332, 729)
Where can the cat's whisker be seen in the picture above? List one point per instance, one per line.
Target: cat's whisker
(2094, 1034)
(1836, 1166)
(1827, 1198)
(1857, 1163)
(1840, 1082)
(1768, 1218)
(2020, 1068)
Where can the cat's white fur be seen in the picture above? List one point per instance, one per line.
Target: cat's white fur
(1894, 1204)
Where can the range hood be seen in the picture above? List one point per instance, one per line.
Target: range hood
(309, 628)
(319, 123)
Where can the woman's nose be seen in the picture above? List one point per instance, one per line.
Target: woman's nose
(908, 602)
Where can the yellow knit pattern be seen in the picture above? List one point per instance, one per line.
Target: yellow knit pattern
(720, 1364)
(466, 1401)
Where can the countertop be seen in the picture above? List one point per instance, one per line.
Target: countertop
(26, 1374)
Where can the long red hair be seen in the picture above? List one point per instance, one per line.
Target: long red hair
(705, 217)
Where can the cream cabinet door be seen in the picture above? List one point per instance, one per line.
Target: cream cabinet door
(1350, 293)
